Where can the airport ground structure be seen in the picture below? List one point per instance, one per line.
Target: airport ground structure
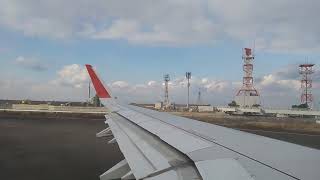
(49, 106)
(247, 99)
(77, 110)
(13, 109)
(270, 112)
(240, 111)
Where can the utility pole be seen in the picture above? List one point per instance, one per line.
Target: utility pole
(188, 76)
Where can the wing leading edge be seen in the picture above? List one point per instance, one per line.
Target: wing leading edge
(162, 146)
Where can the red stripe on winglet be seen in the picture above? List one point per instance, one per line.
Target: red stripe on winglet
(98, 86)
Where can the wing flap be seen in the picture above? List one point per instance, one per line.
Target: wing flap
(129, 175)
(147, 155)
(117, 171)
(138, 163)
(104, 133)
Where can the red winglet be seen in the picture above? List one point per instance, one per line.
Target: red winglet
(100, 89)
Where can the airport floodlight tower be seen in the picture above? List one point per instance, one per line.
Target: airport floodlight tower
(247, 96)
(166, 78)
(306, 83)
(188, 76)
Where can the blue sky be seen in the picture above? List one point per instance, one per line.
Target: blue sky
(136, 45)
(139, 63)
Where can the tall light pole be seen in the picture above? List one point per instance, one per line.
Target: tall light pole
(199, 97)
(89, 90)
(166, 90)
(188, 76)
(89, 94)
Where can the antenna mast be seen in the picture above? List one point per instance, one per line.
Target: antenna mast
(247, 96)
(306, 84)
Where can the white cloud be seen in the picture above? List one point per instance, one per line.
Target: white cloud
(282, 87)
(30, 63)
(119, 29)
(278, 89)
(120, 84)
(153, 83)
(277, 25)
(73, 75)
(152, 91)
(287, 77)
(274, 80)
(287, 25)
(267, 80)
(219, 86)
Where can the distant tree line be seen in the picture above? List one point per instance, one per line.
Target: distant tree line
(301, 106)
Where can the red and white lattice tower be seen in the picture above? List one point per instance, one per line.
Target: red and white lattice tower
(306, 84)
(247, 95)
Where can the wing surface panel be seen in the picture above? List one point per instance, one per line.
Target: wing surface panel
(286, 157)
(212, 151)
(169, 134)
(225, 166)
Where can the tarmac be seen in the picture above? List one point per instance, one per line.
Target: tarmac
(54, 149)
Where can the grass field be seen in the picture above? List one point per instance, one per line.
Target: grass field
(295, 125)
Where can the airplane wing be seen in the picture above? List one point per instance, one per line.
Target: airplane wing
(160, 146)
